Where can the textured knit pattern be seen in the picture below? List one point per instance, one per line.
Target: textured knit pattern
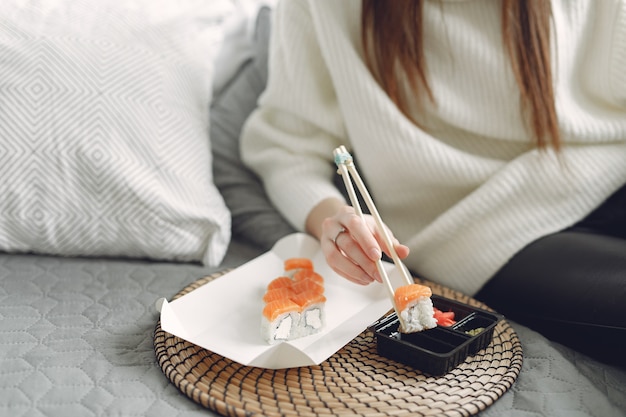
(469, 190)
(104, 112)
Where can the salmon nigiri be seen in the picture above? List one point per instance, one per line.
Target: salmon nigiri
(415, 308)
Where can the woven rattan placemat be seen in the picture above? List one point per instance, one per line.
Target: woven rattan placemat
(354, 381)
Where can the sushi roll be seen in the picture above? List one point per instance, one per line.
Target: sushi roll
(294, 265)
(294, 303)
(415, 308)
(277, 293)
(308, 288)
(307, 285)
(280, 321)
(312, 316)
(308, 275)
(280, 282)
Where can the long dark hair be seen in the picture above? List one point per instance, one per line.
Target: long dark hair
(392, 35)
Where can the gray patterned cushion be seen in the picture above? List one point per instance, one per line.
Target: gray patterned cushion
(104, 144)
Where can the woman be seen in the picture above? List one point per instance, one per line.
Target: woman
(484, 128)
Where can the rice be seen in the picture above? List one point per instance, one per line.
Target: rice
(418, 315)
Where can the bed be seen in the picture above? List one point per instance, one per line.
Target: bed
(78, 315)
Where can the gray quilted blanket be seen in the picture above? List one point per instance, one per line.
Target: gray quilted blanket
(76, 339)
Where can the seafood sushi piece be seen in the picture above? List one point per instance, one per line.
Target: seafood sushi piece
(312, 317)
(293, 265)
(277, 294)
(280, 282)
(280, 321)
(294, 302)
(415, 308)
(307, 285)
(308, 274)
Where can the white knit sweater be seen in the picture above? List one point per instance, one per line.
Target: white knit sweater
(470, 190)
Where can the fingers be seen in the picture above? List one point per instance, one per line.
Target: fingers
(349, 260)
(362, 233)
(401, 250)
(350, 248)
(367, 235)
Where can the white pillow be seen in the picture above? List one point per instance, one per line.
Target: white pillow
(104, 110)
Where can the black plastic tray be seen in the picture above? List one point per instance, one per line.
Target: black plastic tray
(439, 350)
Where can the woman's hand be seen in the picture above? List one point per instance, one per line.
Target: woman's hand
(352, 245)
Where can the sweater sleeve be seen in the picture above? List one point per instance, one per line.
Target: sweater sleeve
(289, 139)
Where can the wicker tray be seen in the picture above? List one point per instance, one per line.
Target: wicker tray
(354, 381)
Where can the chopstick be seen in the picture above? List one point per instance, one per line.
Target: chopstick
(348, 171)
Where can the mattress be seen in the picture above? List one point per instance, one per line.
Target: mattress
(76, 339)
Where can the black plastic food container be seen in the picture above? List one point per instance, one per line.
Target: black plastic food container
(437, 351)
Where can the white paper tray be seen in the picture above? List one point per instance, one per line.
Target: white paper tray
(224, 315)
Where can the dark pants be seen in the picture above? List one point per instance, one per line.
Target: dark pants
(571, 286)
